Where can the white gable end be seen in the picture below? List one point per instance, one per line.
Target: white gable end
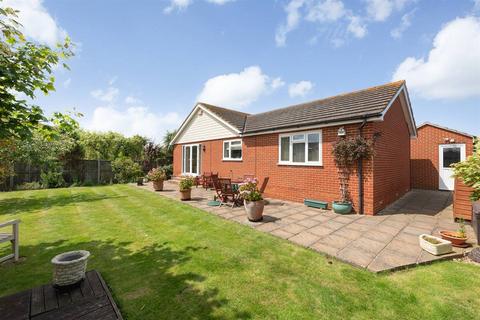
(203, 126)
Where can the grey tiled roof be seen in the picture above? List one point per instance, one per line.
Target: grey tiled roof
(235, 118)
(349, 106)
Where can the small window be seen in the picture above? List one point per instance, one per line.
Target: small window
(451, 156)
(232, 150)
(301, 148)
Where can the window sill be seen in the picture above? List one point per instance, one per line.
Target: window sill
(233, 160)
(296, 164)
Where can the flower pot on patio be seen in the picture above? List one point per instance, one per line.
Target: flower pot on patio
(454, 237)
(185, 194)
(69, 267)
(434, 245)
(158, 185)
(342, 207)
(254, 210)
(140, 181)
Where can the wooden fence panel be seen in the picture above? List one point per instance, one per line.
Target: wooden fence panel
(462, 205)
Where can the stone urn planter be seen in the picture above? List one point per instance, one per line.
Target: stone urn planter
(254, 210)
(342, 207)
(434, 245)
(185, 194)
(158, 185)
(454, 238)
(69, 267)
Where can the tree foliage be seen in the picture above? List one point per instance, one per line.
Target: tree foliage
(112, 145)
(469, 172)
(25, 68)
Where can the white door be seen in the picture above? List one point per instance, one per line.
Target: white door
(448, 155)
(191, 159)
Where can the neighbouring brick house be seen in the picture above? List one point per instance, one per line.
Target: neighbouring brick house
(432, 153)
(292, 145)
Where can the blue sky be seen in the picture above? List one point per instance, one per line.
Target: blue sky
(141, 65)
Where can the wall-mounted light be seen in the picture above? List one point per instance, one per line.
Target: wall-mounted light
(341, 132)
(203, 148)
(452, 140)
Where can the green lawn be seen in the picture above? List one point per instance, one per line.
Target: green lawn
(166, 260)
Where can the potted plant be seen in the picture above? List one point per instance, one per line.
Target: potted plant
(346, 152)
(252, 200)
(457, 238)
(185, 187)
(157, 176)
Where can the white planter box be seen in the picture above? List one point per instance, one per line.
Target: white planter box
(442, 247)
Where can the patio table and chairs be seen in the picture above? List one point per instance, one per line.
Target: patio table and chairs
(226, 192)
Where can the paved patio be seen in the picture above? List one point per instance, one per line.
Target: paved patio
(383, 242)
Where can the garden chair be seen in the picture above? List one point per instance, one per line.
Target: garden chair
(264, 185)
(12, 237)
(224, 191)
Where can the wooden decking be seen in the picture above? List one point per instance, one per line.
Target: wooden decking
(89, 300)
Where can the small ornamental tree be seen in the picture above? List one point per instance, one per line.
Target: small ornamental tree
(469, 172)
(346, 152)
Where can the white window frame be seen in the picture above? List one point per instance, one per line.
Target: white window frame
(230, 150)
(191, 159)
(290, 150)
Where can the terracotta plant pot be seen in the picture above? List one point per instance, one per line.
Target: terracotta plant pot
(254, 210)
(185, 194)
(158, 185)
(342, 207)
(454, 238)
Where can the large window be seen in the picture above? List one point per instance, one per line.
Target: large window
(302, 148)
(232, 150)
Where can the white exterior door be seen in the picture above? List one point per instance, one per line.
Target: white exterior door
(191, 159)
(448, 155)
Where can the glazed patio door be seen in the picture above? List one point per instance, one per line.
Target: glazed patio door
(191, 159)
(448, 155)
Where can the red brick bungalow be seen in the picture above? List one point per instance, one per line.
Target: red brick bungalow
(293, 145)
(432, 153)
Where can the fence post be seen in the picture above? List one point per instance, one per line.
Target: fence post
(98, 171)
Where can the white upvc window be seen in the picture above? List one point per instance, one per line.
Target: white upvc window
(300, 148)
(232, 150)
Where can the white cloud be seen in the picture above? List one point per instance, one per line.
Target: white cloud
(357, 27)
(277, 83)
(405, 23)
(299, 89)
(108, 95)
(293, 19)
(132, 120)
(38, 24)
(238, 90)
(324, 11)
(132, 100)
(180, 5)
(380, 10)
(220, 2)
(177, 5)
(452, 68)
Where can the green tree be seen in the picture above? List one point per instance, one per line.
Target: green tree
(25, 68)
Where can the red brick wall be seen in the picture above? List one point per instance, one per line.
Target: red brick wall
(424, 155)
(392, 158)
(295, 183)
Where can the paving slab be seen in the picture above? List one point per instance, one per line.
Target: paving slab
(388, 241)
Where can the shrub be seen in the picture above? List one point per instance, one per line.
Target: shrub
(156, 174)
(469, 172)
(346, 152)
(186, 183)
(29, 186)
(125, 170)
(249, 190)
(52, 179)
